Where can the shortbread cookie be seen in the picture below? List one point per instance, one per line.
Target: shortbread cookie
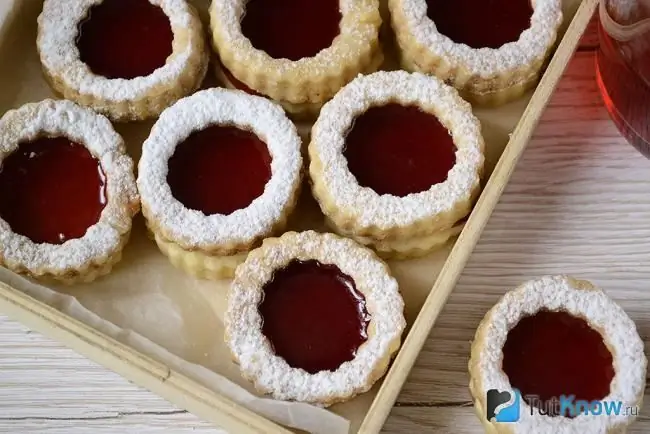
(307, 111)
(551, 341)
(396, 156)
(491, 51)
(220, 171)
(127, 59)
(313, 317)
(411, 247)
(199, 264)
(67, 192)
(295, 52)
(397, 248)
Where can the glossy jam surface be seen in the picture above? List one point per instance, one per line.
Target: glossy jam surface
(51, 190)
(291, 29)
(399, 150)
(551, 354)
(219, 170)
(314, 316)
(481, 23)
(125, 38)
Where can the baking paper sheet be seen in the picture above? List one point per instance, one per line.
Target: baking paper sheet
(162, 318)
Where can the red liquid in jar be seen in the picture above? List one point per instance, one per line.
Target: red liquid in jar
(399, 150)
(291, 29)
(623, 77)
(51, 190)
(481, 23)
(219, 170)
(551, 354)
(314, 316)
(125, 38)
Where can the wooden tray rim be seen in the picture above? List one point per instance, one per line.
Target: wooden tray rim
(225, 413)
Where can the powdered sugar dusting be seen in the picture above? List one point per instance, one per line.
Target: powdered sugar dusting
(486, 62)
(602, 313)
(191, 228)
(95, 132)
(271, 373)
(432, 95)
(58, 30)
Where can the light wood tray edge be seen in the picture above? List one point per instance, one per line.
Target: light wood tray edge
(133, 365)
(232, 417)
(469, 237)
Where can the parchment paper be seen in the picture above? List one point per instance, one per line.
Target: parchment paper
(148, 304)
(306, 417)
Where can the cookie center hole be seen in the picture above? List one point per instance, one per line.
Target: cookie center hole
(291, 29)
(125, 39)
(314, 316)
(481, 23)
(551, 354)
(51, 190)
(399, 150)
(219, 170)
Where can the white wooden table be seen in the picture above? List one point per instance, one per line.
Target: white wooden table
(579, 203)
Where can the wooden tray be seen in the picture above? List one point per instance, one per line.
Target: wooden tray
(426, 283)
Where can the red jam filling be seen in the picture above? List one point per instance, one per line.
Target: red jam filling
(51, 190)
(399, 150)
(314, 316)
(291, 29)
(219, 170)
(481, 23)
(238, 84)
(551, 354)
(125, 38)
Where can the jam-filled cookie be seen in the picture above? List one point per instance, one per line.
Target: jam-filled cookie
(298, 53)
(313, 317)
(220, 171)
(67, 192)
(396, 162)
(561, 350)
(492, 51)
(127, 59)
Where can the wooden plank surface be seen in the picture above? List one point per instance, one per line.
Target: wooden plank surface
(580, 202)
(577, 204)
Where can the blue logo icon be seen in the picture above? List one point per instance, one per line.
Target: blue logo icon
(503, 406)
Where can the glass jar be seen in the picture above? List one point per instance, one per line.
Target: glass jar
(623, 67)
